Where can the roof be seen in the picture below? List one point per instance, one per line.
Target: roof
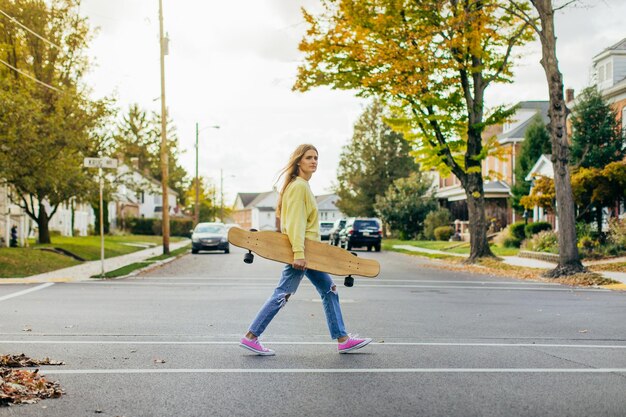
(544, 160)
(492, 189)
(519, 131)
(321, 198)
(246, 198)
(266, 199)
(619, 46)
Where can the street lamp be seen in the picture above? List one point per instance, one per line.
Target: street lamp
(222, 193)
(196, 212)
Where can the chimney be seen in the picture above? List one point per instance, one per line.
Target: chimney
(569, 95)
(134, 161)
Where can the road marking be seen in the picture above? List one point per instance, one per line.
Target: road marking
(261, 285)
(20, 293)
(275, 279)
(230, 342)
(53, 371)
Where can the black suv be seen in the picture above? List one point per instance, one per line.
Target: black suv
(361, 232)
(333, 235)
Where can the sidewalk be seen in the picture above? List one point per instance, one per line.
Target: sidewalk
(85, 270)
(530, 263)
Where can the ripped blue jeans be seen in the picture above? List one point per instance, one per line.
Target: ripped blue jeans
(289, 282)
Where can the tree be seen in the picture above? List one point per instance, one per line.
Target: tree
(207, 196)
(139, 136)
(536, 143)
(368, 165)
(46, 116)
(597, 135)
(542, 195)
(434, 61)
(543, 24)
(406, 204)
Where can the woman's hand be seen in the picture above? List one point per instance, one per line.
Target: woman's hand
(299, 264)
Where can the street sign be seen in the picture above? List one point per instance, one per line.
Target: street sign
(100, 163)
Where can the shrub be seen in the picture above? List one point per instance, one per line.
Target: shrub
(443, 232)
(545, 241)
(532, 229)
(617, 233)
(517, 230)
(511, 242)
(181, 227)
(435, 219)
(141, 226)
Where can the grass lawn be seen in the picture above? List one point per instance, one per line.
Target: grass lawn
(23, 262)
(450, 247)
(125, 270)
(88, 247)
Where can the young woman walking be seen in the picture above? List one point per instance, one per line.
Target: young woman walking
(297, 210)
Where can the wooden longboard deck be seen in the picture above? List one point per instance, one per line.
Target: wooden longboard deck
(319, 256)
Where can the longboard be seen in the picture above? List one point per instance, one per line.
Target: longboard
(319, 256)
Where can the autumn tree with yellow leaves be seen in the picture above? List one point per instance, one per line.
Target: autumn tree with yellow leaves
(432, 62)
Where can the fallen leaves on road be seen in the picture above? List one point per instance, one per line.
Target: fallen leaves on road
(22, 361)
(159, 361)
(22, 386)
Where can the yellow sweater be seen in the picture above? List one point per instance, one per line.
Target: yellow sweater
(298, 216)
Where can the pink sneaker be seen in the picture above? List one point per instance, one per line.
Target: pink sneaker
(255, 346)
(353, 343)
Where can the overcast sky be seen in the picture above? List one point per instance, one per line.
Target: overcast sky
(233, 64)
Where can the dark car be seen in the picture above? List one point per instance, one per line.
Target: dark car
(209, 236)
(362, 232)
(333, 235)
(325, 230)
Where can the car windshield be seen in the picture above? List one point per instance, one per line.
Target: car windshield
(366, 224)
(210, 229)
(326, 225)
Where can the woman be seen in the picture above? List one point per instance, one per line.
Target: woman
(297, 210)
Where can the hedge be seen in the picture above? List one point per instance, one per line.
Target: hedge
(532, 229)
(150, 226)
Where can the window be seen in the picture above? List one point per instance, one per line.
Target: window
(601, 73)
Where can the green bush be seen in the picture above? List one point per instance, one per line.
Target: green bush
(435, 219)
(444, 232)
(532, 229)
(141, 226)
(517, 230)
(511, 242)
(545, 241)
(178, 227)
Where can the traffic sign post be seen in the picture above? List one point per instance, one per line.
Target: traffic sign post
(101, 163)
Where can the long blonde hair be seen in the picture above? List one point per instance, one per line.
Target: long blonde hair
(291, 170)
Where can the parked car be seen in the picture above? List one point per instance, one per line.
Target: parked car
(210, 236)
(325, 230)
(362, 232)
(333, 235)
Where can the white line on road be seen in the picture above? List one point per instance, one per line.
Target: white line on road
(230, 342)
(19, 293)
(51, 371)
(261, 285)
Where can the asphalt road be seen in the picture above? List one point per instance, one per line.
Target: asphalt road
(447, 344)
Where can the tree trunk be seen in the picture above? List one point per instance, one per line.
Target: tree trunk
(569, 261)
(42, 224)
(479, 246)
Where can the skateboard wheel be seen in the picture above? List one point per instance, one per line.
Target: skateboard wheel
(248, 258)
(354, 253)
(253, 230)
(348, 282)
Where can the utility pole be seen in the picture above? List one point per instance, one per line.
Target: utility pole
(164, 152)
(221, 195)
(196, 210)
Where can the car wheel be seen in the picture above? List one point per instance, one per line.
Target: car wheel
(348, 246)
(369, 248)
(377, 247)
(227, 250)
(194, 251)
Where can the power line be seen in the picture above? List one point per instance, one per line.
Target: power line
(30, 76)
(14, 20)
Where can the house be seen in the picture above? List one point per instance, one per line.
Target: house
(542, 168)
(499, 172)
(258, 210)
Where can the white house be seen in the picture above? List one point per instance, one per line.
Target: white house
(258, 210)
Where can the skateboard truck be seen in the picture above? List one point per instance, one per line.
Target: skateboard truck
(349, 281)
